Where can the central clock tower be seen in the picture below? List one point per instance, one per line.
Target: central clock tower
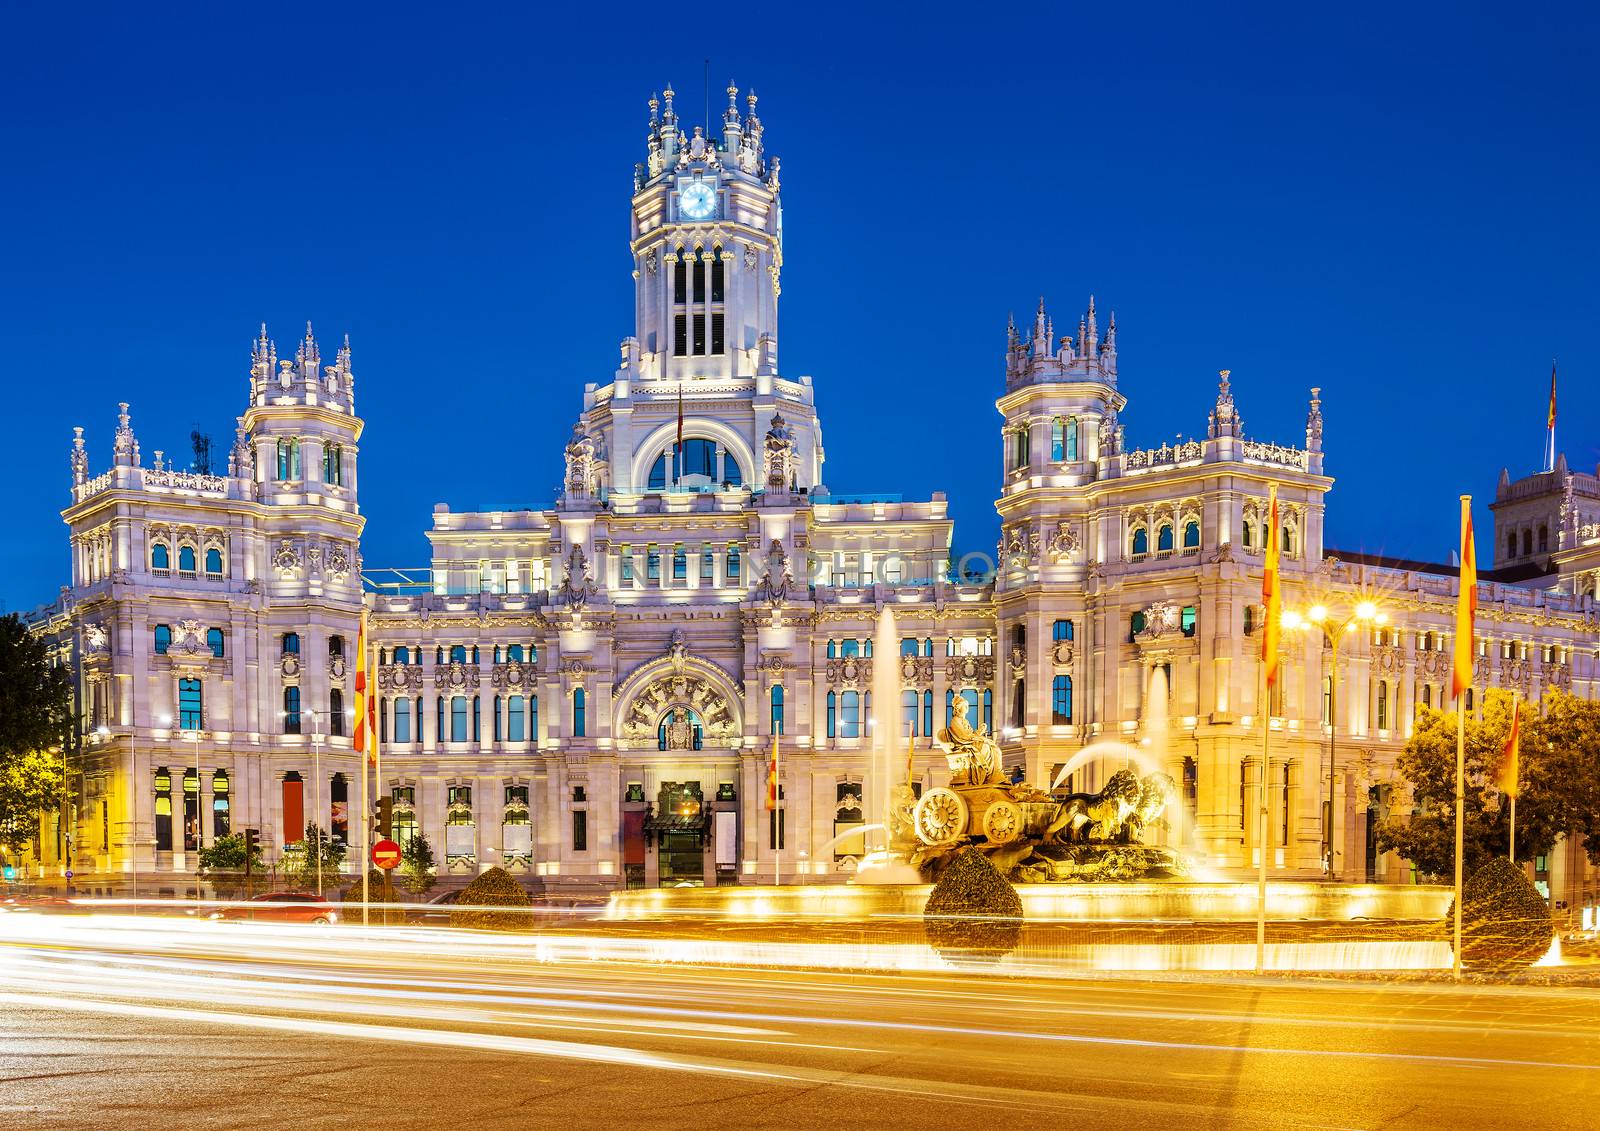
(707, 245)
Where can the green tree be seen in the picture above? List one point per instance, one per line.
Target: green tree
(1561, 756)
(973, 911)
(417, 866)
(299, 862)
(1426, 837)
(227, 854)
(493, 891)
(35, 715)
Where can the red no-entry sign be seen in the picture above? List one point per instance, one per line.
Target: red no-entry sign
(386, 854)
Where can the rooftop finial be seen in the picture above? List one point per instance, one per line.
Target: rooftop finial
(1314, 421)
(668, 116)
(654, 106)
(307, 355)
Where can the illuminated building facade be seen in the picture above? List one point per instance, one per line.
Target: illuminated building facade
(589, 694)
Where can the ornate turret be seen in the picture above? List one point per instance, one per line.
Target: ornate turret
(1044, 359)
(240, 461)
(125, 446)
(1225, 420)
(80, 459)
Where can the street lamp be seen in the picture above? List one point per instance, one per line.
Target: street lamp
(192, 734)
(1336, 625)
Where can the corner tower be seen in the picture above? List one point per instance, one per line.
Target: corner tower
(707, 245)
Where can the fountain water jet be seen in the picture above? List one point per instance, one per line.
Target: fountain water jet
(886, 784)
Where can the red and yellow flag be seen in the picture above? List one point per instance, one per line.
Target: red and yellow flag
(366, 738)
(1271, 592)
(772, 775)
(1551, 421)
(1511, 755)
(1466, 604)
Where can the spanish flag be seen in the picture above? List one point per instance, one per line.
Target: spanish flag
(772, 775)
(1466, 603)
(366, 704)
(1511, 756)
(1271, 593)
(1551, 421)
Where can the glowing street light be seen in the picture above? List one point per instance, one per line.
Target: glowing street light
(1335, 627)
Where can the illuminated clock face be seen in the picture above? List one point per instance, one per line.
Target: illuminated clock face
(697, 200)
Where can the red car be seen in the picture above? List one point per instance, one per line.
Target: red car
(283, 907)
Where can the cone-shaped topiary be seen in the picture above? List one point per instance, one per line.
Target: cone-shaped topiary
(973, 910)
(1505, 922)
(494, 889)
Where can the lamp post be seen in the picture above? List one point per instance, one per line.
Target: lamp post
(1335, 627)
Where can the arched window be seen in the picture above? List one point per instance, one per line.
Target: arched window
(186, 559)
(163, 638)
(700, 463)
(580, 713)
(1544, 538)
(291, 710)
(833, 724)
(514, 653)
(288, 459)
(1141, 542)
(1072, 438)
(1427, 695)
(833, 649)
(458, 718)
(214, 641)
(402, 720)
(1019, 448)
(214, 561)
(1061, 630)
(1247, 535)
(777, 708)
(458, 653)
(1511, 544)
(402, 654)
(160, 557)
(1061, 700)
(291, 644)
(1289, 536)
(1191, 536)
(850, 714)
(1164, 537)
(1469, 701)
(908, 646)
(1527, 542)
(697, 729)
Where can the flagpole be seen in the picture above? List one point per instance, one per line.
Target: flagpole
(1513, 828)
(365, 694)
(1461, 681)
(1261, 832)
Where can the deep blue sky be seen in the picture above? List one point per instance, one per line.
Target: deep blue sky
(1396, 203)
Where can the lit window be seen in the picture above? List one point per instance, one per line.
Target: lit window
(1061, 700)
(291, 710)
(191, 704)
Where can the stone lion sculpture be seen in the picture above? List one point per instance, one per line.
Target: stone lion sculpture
(1156, 792)
(1100, 816)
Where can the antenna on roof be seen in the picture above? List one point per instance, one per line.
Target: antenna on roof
(705, 87)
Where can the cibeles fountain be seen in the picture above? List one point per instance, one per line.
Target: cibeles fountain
(1078, 860)
(1030, 834)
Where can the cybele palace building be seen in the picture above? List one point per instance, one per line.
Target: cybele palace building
(588, 694)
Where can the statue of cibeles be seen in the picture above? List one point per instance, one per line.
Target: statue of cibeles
(973, 755)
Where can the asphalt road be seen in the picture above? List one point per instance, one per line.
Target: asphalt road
(124, 1023)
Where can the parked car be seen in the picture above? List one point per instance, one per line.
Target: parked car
(34, 901)
(437, 909)
(282, 907)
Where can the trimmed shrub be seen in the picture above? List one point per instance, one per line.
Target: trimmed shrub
(1505, 922)
(973, 912)
(493, 889)
(352, 894)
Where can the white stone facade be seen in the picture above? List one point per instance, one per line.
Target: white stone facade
(587, 693)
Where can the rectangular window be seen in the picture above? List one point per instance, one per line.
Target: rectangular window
(191, 704)
(458, 718)
(699, 334)
(680, 335)
(716, 279)
(850, 714)
(627, 565)
(1187, 619)
(716, 330)
(680, 281)
(515, 726)
(700, 266)
(680, 563)
(708, 565)
(402, 720)
(652, 563)
(580, 719)
(733, 562)
(580, 830)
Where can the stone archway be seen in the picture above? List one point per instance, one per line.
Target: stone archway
(673, 682)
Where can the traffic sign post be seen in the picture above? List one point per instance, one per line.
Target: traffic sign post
(386, 855)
